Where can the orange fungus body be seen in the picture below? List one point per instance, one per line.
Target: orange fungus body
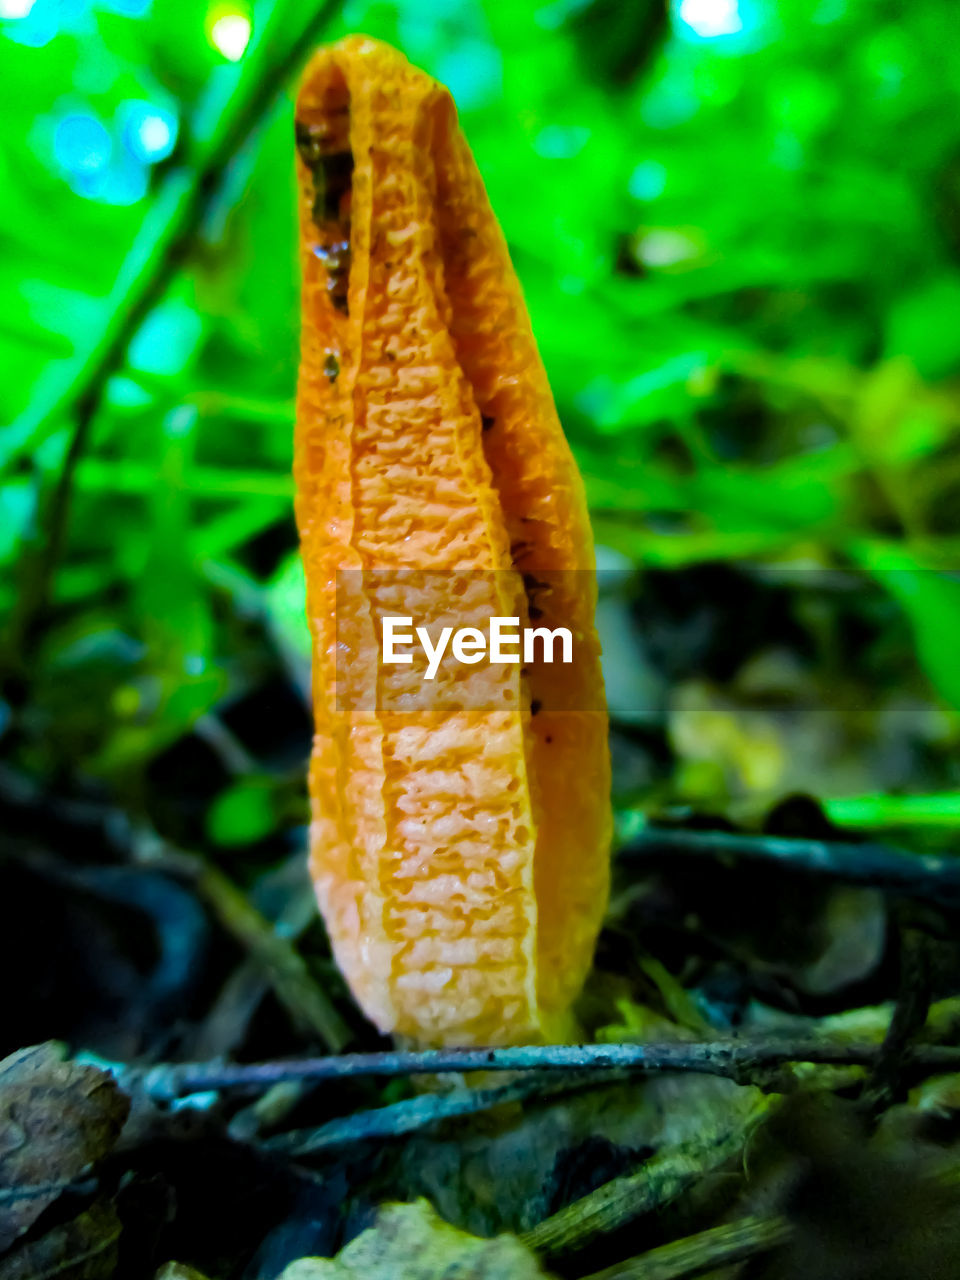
(460, 834)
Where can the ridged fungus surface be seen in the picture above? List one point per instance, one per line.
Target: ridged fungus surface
(460, 834)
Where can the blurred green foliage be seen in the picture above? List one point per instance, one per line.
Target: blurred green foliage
(738, 230)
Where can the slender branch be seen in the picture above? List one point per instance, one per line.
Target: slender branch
(721, 1246)
(733, 1059)
(281, 964)
(37, 584)
(881, 866)
(910, 1012)
(234, 105)
(278, 960)
(414, 1114)
(658, 1180)
(724, 1245)
(267, 1111)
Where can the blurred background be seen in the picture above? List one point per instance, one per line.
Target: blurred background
(737, 225)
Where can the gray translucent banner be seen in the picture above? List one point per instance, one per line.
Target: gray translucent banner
(411, 640)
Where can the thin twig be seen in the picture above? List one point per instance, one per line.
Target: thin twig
(927, 876)
(228, 1020)
(909, 1015)
(415, 1114)
(724, 1245)
(659, 1180)
(733, 1059)
(706, 1251)
(267, 1111)
(278, 960)
(281, 964)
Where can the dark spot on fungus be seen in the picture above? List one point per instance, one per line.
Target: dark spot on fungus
(336, 258)
(322, 149)
(332, 175)
(535, 706)
(486, 422)
(310, 139)
(533, 586)
(331, 366)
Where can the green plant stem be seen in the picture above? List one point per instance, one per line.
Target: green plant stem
(235, 103)
(721, 1246)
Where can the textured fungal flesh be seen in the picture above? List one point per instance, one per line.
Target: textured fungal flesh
(460, 832)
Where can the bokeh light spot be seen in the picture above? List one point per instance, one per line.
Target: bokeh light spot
(82, 144)
(472, 72)
(10, 10)
(711, 18)
(666, 247)
(128, 8)
(34, 23)
(121, 183)
(150, 132)
(553, 16)
(230, 34)
(561, 142)
(155, 137)
(163, 346)
(648, 180)
(127, 393)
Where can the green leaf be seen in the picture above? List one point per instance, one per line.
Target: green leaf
(922, 325)
(242, 814)
(931, 600)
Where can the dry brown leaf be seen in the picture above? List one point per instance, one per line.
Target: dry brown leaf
(411, 1242)
(56, 1119)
